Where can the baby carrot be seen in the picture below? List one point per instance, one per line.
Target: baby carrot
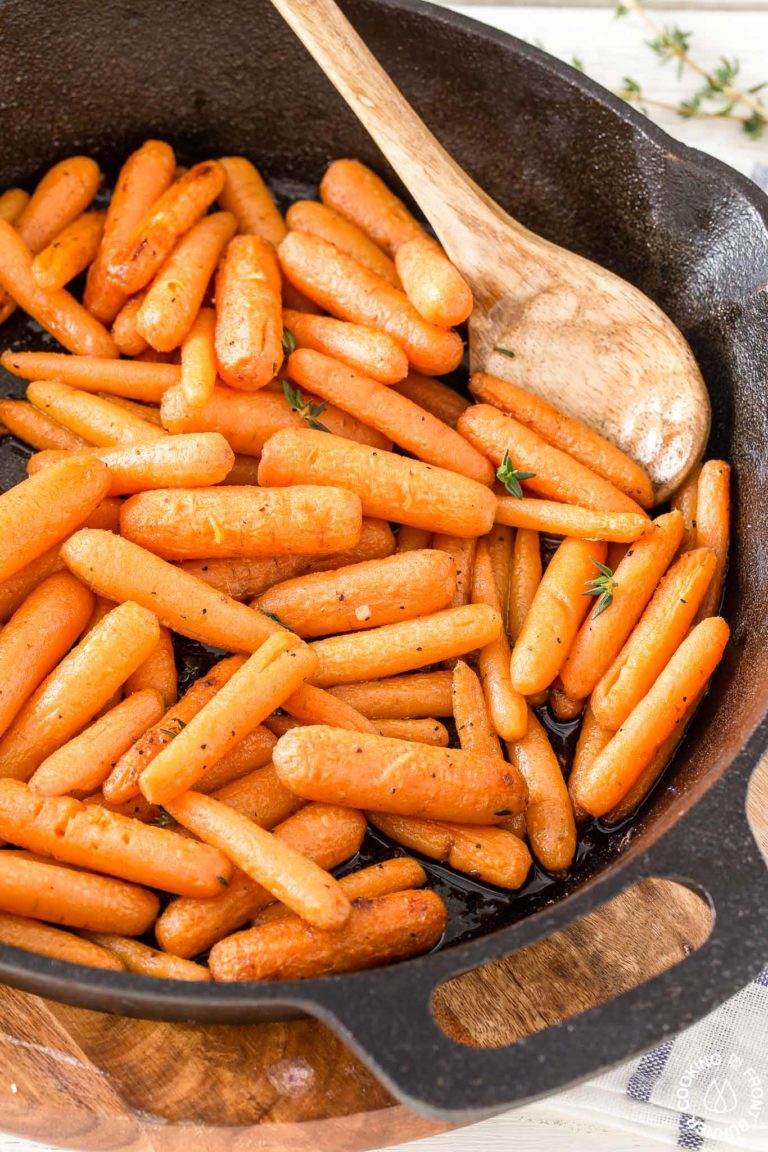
(62, 195)
(500, 541)
(432, 283)
(463, 551)
(12, 203)
(410, 427)
(247, 197)
(357, 193)
(250, 754)
(352, 292)
(570, 520)
(320, 220)
(69, 253)
(144, 177)
(121, 570)
(129, 378)
(173, 299)
(593, 737)
(657, 636)
(158, 672)
(621, 598)
(422, 694)
(427, 731)
(549, 815)
(57, 312)
(524, 579)
(562, 706)
(443, 402)
(198, 360)
(310, 705)
(249, 319)
(395, 875)
(405, 646)
(32, 936)
(260, 796)
(245, 470)
(390, 487)
(138, 957)
(364, 349)
(556, 475)
(713, 514)
(38, 428)
(412, 539)
(364, 771)
(133, 264)
(470, 713)
(363, 595)
(685, 501)
(557, 610)
(44, 509)
(92, 837)
(273, 672)
(509, 712)
(567, 434)
(99, 421)
(125, 332)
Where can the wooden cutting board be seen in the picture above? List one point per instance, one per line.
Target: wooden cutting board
(86, 1080)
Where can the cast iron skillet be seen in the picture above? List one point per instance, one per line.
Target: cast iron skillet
(584, 170)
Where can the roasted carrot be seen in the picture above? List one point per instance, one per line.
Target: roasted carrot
(593, 737)
(249, 322)
(245, 470)
(38, 428)
(563, 707)
(125, 332)
(352, 292)
(260, 796)
(426, 731)
(364, 349)
(70, 253)
(127, 378)
(310, 705)
(549, 815)
(524, 579)
(32, 936)
(173, 299)
(249, 755)
(620, 600)
(62, 195)
(395, 875)
(361, 196)
(138, 957)
(500, 541)
(247, 197)
(569, 435)
(713, 514)
(412, 539)
(618, 767)
(390, 487)
(463, 550)
(657, 636)
(422, 694)
(158, 672)
(432, 283)
(198, 359)
(570, 520)
(12, 203)
(144, 177)
(364, 771)
(133, 264)
(320, 220)
(443, 402)
(508, 709)
(470, 713)
(685, 501)
(326, 834)
(99, 421)
(121, 570)
(91, 837)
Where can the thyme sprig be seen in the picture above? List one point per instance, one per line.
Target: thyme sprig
(510, 476)
(603, 586)
(308, 411)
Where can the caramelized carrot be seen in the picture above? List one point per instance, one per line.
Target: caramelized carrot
(361, 196)
(570, 520)
(549, 814)
(260, 796)
(99, 421)
(69, 253)
(395, 875)
(129, 378)
(138, 957)
(157, 672)
(432, 283)
(463, 551)
(508, 709)
(125, 333)
(310, 705)
(593, 738)
(364, 349)
(427, 731)
(443, 402)
(713, 514)
(249, 321)
(685, 501)
(32, 936)
(247, 756)
(198, 360)
(37, 428)
(247, 197)
(421, 694)
(412, 539)
(64, 192)
(320, 220)
(524, 578)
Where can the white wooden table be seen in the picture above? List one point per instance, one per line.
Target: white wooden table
(609, 49)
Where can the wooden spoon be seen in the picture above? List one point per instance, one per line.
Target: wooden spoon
(582, 337)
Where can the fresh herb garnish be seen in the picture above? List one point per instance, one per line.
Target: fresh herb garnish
(164, 819)
(504, 351)
(308, 411)
(171, 733)
(602, 586)
(510, 477)
(274, 616)
(289, 341)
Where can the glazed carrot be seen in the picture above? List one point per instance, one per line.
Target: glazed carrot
(352, 292)
(364, 349)
(570, 520)
(463, 550)
(390, 487)
(713, 514)
(249, 755)
(125, 332)
(245, 578)
(685, 501)
(62, 195)
(38, 635)
(524, 578)
(616, 553)
(249, 320)
(299, 883)
(57, 312)
(12, 203)
(122, 571)
(509, 712)
(32, 936)
(320, 220)
(500, 541)
(553, 620)
(173, 299)
(657, 636)
(470, 713)
(38, 428)
(123, 781)
(247, 197)
(198, 360)
(138, 957)
(325, 834)
(143, 179)
(44, 509)
(128, 378)
(395, 875)
(77, 688)
(157, 672)
(562, 706)
(629, 589)
(567, 434)
(99, 421)
(422, 694)
(426, 731)
(363, 595)
(388, 775)
(93, 838)
(432, 283)
(361, 196)
(70, 253)
(133, 264)
(245, 470)
(260, 797)
(310, 705)
(410, 427)
(556, 475)
(136, 809)
(273, 672)
(405, 646)
(593, 738)
(46, 891)
(549, 815)
(412, 539)
(248, 419)
(181, 524)
(443, 402)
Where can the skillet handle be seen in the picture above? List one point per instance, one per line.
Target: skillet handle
(390, 1025)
